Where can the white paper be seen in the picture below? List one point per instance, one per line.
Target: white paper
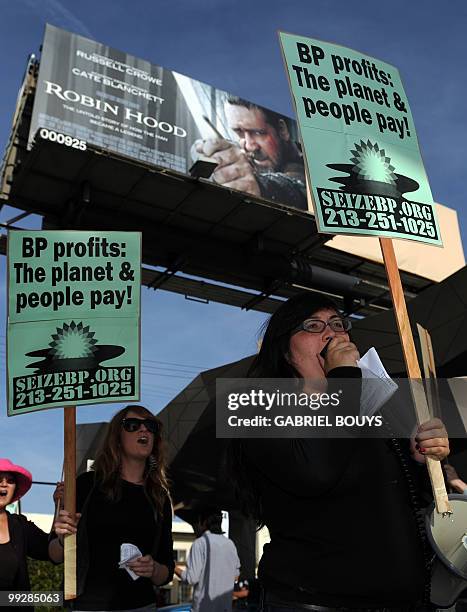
(374, 396)
(128, 553)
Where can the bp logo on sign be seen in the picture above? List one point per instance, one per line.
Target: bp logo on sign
(70, 369)
(362, 155)
(356, 205)
(73, 347)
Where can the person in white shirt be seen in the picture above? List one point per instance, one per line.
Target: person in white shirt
(212, 565)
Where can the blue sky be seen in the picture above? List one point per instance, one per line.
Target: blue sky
(233, 45)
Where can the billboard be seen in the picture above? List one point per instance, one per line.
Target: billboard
(363, 159)
(73, 332)
(88, 93)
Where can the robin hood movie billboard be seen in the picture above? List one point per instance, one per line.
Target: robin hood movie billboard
(88, 93)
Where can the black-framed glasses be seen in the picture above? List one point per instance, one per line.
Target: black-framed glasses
(132, 424)
(317, 326)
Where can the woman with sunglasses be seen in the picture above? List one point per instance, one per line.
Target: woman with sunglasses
(20, 538)
(123, 500)
(342, 512)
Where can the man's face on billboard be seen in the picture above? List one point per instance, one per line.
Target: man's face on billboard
(257, 138)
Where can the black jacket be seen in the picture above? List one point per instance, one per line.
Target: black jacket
(28, 541)
(341, 519)
(162, 546)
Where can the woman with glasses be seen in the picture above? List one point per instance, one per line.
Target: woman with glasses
(342, 513)
(123, 500)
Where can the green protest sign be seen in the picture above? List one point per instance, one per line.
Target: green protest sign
(362, 154)
(73, 318)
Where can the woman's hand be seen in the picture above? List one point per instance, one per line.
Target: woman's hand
(143, 566)
(341, 352)
(430, 440)
(148, 568)
(65, 524)
(59, 492)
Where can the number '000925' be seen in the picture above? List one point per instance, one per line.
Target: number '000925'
(59, 138)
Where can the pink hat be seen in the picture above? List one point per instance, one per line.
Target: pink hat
(22, 476)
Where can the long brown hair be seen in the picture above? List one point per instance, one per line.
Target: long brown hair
(108, 460)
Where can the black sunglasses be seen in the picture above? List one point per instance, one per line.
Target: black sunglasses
(132, 424)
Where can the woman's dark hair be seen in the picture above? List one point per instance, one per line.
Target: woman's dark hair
(108, 460)
(271, 362)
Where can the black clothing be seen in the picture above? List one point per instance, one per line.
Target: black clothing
(103, 527)
(27, 540)
(343, 530)
(9, 566)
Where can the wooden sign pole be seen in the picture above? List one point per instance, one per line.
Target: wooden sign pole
(429, 368)
(428, 357)
(70, 499)
(413, 369)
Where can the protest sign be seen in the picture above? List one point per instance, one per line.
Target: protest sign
(362, 154)
(73, 318)
(353, 108)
